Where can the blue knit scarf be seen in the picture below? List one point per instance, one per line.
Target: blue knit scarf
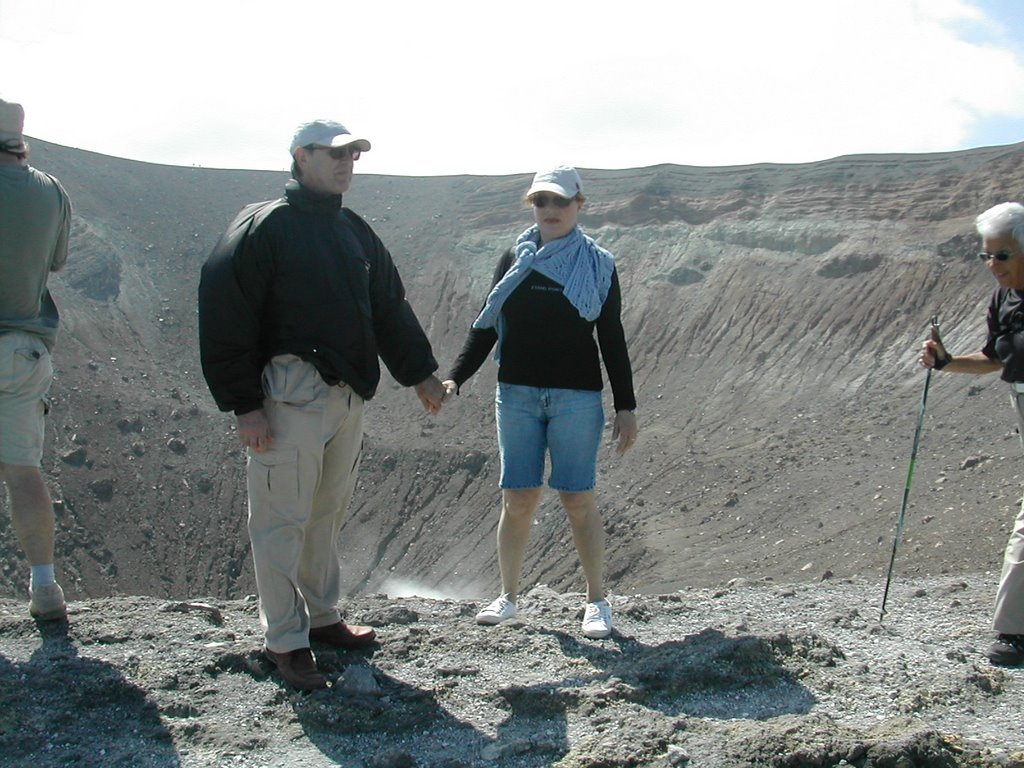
(582, 267)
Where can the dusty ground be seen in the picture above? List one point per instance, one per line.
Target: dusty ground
(748, 675)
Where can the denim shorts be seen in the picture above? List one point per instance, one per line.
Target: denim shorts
(533, 421)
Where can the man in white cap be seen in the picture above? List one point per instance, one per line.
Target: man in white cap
(35, 220)
(297, 302)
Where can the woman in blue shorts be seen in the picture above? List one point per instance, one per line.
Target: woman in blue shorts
(550, 293)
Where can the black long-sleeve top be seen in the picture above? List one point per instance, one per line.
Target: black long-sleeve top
(545, 342)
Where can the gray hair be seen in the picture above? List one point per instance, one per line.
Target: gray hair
(1002, 220)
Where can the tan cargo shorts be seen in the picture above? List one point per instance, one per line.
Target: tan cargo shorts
(26, 372)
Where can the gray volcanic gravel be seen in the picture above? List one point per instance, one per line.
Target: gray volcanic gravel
(751, 674)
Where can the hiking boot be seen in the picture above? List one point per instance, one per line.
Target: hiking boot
(1007, 650)
(597, 619)
(46, 602)
(297, 668)
(502, 609)
(342, 635)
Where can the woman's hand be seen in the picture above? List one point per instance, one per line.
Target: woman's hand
(450, 390)
(934, 355)
(625, 431)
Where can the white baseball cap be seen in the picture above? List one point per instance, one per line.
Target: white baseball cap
(325, 133)
(562, 180)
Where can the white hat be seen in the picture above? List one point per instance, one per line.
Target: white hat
(325, 133)
(562, 180)
(12, 127)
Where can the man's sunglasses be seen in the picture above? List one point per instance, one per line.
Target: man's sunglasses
(999, 256)
(543, 201)
(337, 153)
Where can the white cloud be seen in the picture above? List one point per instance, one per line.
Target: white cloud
(470, 87)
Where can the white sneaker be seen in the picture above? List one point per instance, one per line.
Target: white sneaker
(47, 602)
(597, 619)
(502, 609)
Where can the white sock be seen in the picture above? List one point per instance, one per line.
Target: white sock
(41, 575)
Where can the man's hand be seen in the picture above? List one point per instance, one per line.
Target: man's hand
(625, 431)
(254, 430)
(431, 394)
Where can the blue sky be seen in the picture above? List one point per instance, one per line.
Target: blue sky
(498, 87)
(1008, 15)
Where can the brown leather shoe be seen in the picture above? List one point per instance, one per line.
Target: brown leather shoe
(297, 668)
(341, 635)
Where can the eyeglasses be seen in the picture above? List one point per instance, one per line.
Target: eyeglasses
(542, 201)
(998, 256)
(337, 153)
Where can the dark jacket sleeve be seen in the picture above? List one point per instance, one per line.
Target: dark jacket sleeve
(401, 342)
(479, 341)
(612, 339)
(229, 320)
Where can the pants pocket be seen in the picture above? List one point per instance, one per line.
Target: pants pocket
(32, 367)
(274, 478)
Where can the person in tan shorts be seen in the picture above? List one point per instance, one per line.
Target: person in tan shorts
(35, 219)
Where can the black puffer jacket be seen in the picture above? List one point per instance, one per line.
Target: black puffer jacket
(302, 275)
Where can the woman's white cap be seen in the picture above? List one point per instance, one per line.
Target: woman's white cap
(562, 180)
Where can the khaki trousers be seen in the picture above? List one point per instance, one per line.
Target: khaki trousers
(1009, 612)
(299, 492)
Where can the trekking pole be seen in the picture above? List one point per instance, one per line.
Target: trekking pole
(910, 472)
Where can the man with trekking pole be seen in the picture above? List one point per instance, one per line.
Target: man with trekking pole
(1001, 229)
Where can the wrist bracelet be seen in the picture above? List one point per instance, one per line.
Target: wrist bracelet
(940, 364)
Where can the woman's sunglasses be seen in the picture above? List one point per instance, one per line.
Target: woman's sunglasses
(999, 256)
(542, 201)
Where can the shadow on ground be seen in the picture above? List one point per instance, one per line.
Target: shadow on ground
(115, 720)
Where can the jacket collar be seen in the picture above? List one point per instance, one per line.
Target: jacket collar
(305, 199)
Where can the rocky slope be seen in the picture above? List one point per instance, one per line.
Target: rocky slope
(773, 314)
